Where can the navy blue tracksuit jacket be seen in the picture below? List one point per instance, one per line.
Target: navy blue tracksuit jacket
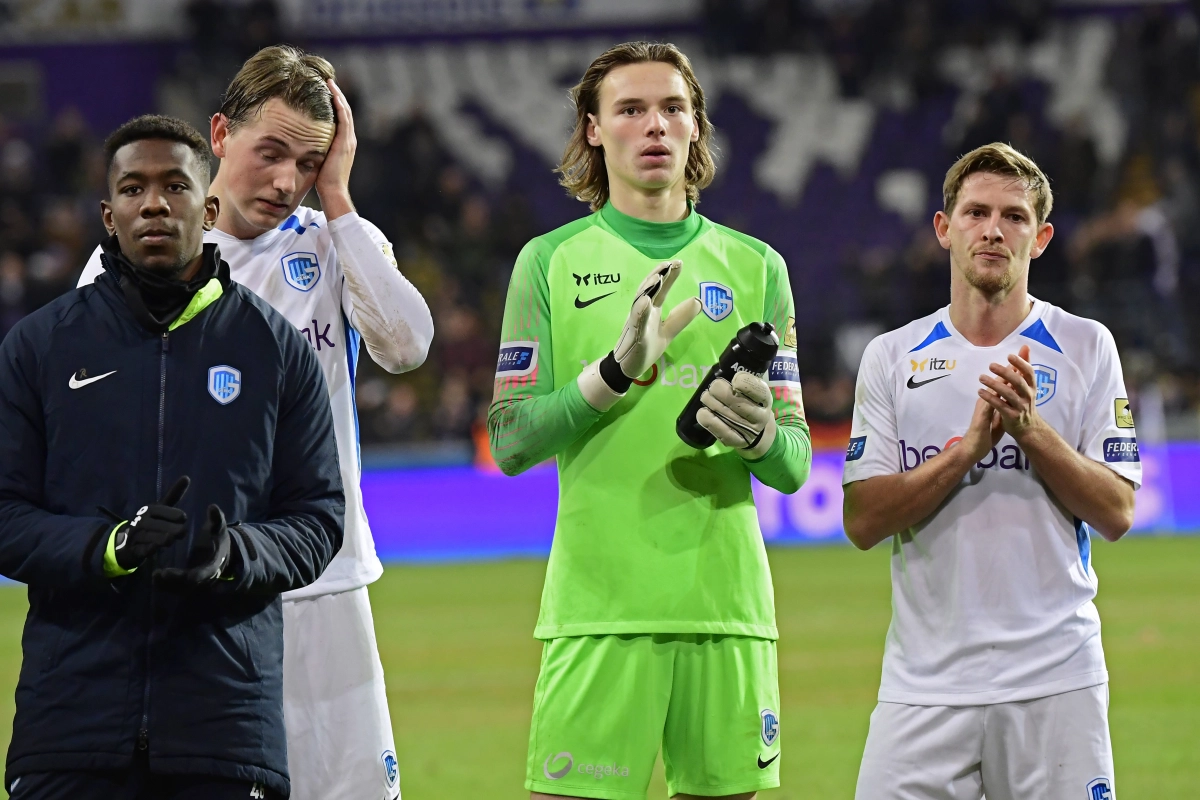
(233, 398)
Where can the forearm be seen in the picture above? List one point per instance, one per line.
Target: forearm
(786, 465)
(1089, 490)
(878, 508)
(525, 431)
(285, 553)
(386, 308)
(51, 550)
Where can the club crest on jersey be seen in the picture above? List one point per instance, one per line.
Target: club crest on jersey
(224, 384)
(390, 768)
(1100, 789)
(1047, 381)
(770, 726)
(716, 300)
(301, 270)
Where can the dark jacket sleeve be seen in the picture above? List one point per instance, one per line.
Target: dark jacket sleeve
(37, 547)
(304, 526)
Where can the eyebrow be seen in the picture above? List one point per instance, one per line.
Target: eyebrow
(629, 101)
(275, 140)
(1006, 209)
(174, 172)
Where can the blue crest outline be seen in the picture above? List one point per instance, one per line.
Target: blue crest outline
(770, 726)
(224, 391)
(1050, 385)
(300, 276)
(716, 299)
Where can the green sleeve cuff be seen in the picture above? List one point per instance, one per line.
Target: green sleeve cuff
(786, 465)
(111, 568)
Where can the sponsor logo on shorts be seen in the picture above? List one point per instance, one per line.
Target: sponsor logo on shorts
(554, 769)
(770, 726)
(856, 448)
(1121, 449)
(764, 764)
(553, 760)
(1100, 789)
(390, 768)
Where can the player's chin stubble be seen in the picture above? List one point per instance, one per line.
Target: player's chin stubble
(989, 282)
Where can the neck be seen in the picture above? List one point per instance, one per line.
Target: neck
(192, 268)
(986, 320)
(652, 205)
(229, 220)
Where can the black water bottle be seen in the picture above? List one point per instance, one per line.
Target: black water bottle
(750, 351)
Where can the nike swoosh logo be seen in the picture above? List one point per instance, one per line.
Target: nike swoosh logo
(913, 384)
(75, 383)
(764, 764)
(585, 303)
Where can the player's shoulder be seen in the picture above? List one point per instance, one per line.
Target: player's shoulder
(743, 240)
(540, 249)
(910, 338)
(1068, 333)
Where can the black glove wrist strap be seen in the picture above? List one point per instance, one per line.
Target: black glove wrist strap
(611, 372)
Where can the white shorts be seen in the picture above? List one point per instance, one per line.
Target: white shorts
(339, 734)
(1052, 748)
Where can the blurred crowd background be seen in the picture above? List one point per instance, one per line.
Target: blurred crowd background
(837, 121)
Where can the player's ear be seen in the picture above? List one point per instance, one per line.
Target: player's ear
(941, 227)
(218, 132)
(106, 217)
(1044, 235)
(212, 210)
(592, 131)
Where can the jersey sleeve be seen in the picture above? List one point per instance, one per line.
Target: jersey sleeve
(529, 420)
(377, 299)
(1107, 433)
(874, 440)
(92, 269)
(787, 463)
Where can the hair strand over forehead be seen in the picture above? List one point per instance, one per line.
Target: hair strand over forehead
(999, 159)
(582, 171)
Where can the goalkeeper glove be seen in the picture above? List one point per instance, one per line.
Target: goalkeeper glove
(739, 414)
(152, 528)
(210, 556)
(646, 335)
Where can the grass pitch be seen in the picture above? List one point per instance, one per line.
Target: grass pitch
(461, 665)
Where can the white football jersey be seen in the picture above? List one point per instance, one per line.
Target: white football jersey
(992, 594)
(295, 269)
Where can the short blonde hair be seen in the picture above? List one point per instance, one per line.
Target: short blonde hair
(294, 76)
(1000, 159)
(582, 170)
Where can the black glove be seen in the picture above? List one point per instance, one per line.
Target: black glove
(210, 556)
(152, 528)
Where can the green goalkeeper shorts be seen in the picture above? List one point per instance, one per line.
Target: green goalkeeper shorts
(604, 704)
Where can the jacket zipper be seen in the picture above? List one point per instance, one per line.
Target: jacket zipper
(143, 734)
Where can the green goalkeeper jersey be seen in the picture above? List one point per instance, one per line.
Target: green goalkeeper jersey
(652, 536)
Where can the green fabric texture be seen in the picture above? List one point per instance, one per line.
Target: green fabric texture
(652, 536)
(612, 701)
(201, 300)
(111, 568)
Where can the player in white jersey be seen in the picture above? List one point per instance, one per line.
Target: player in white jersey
(988, 440)
(284, 129)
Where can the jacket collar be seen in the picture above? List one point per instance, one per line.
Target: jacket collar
(160, 304)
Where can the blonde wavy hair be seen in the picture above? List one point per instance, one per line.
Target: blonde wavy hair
(1001, 159)
(582, 171)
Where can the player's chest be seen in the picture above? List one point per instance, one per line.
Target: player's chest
(936, 390)
(299, 279)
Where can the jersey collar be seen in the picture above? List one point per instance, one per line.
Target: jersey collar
(653, 239)
(1035, 313)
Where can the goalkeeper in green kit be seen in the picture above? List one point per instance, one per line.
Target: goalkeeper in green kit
(658, 613)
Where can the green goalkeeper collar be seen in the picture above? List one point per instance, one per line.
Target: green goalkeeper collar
(653, 239)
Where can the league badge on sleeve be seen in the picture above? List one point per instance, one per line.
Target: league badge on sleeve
(1123, 414)
(302, 271)
(716, 300)
(224, 384)
(1047, 381)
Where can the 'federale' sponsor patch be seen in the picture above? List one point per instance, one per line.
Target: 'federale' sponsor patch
(517, 359)
(1121, 449)
(784, 370)
(856, 448)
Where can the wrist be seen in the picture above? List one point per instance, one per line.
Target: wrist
(613, 375)
(596, 392)
(336, 203)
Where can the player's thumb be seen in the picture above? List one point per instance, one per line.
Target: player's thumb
(680, 317)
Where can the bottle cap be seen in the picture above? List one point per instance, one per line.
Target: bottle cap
(759, 341)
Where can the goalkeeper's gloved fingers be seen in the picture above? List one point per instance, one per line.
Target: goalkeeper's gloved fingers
(213, 550)
(739, 414)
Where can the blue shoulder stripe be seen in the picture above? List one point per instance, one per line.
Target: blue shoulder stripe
(1037, 331)
(939, 332)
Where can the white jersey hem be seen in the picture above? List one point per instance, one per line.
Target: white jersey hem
(994, 696)
(347, 583)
